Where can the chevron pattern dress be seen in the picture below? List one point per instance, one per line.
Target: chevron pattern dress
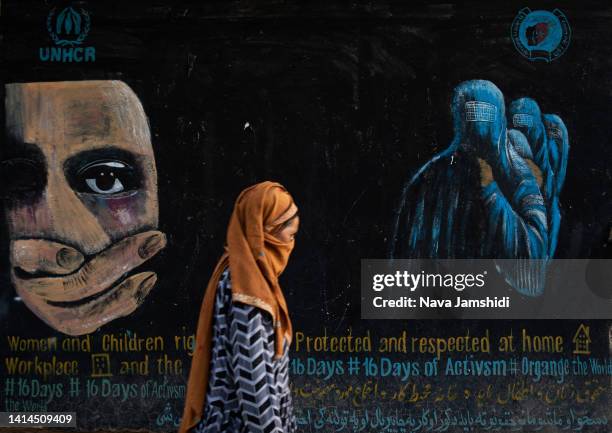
(248, 390)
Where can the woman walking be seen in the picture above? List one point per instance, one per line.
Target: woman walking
(238, 380)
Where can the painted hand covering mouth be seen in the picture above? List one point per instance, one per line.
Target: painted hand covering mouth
(97, 291)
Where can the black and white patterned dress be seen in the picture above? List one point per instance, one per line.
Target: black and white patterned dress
(248, 390)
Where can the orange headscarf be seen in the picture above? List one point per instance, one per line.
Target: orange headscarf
(255, 258)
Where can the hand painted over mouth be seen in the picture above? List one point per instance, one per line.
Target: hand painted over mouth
(96, 292)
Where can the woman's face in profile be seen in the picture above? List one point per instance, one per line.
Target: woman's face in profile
(287, 230)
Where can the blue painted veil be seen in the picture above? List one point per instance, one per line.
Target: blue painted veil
(549, 142)
(427, 222)
(558, 139)
(527, 118)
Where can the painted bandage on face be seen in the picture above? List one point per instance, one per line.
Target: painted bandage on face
(80, 200)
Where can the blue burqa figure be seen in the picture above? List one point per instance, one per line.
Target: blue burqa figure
(558, 142)
(547, 155)
(527, 118)
(476, 199)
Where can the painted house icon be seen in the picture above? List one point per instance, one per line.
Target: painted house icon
(582, 341)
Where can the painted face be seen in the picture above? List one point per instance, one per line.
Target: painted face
(86, 146)
(79, 171)
(536, 33)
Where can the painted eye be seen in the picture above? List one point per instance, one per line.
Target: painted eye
(106, 178)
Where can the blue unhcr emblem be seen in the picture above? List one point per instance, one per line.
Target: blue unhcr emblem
(541, 35)
(68, 29)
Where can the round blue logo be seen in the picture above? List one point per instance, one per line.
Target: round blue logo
(541, 35)
(68, 28)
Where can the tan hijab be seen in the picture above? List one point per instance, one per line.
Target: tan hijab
(255, 258)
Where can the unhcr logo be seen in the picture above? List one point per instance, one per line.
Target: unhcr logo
(68, 29)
